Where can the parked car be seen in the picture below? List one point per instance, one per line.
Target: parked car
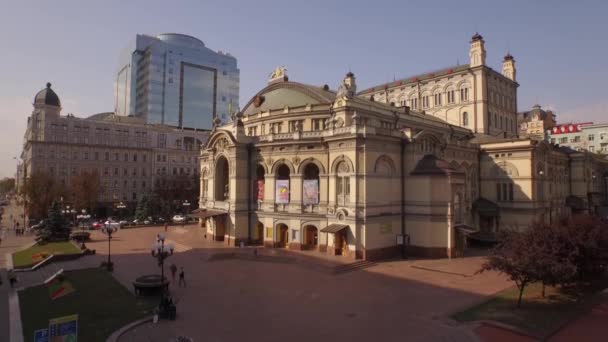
(180, 219)
(124, 223)
(96, 225)
(112, 224)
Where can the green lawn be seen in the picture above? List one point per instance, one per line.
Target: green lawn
(537, 316)
(102, 303)
(25, 258)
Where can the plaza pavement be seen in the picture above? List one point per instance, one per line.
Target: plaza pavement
(9, 244)
(233, 295)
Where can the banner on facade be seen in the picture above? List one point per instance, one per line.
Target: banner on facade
(310, 191)
(282, 191)
(260, 190)
(63, 329)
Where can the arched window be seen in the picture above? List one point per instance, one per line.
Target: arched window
(282, 184)
(204, 184)
(222, 187)
(451, 95)
(465, 119)
(342, 183)
(259, 183)
(457, 208)
(310, 185)
(437, 98)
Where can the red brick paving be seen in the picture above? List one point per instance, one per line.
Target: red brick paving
(591, 327)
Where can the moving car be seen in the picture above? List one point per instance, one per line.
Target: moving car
(179, 219)
(96, 225)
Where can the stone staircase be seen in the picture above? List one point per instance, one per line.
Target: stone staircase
(37, 277)
(352, 267)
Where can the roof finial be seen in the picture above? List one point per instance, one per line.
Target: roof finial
(48, 84)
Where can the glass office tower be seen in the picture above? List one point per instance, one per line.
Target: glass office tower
(176, 80)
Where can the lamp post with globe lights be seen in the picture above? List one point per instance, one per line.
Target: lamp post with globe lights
(160, 251)
(83, 217)
(109, 229)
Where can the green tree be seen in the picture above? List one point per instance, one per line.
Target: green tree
(85, 188)
(41, 190)
(55, 228)
(7, 185)
(143, 210)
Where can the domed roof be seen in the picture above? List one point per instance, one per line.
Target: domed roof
(476, 36)
(508, 57)
(47, 97)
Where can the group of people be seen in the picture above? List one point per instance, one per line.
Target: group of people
(182, 279)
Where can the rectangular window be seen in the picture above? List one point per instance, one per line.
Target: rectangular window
(425, 101)
(577, 138)
(295, 125)
(591, 137)
(414, 103)
(464, 94)
(316, 124)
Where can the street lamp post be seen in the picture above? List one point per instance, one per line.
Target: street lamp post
(108, 229)
(160, 251)
(83, 217)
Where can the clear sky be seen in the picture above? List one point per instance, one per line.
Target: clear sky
(561, 47)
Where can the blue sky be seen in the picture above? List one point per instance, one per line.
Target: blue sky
(561, 47)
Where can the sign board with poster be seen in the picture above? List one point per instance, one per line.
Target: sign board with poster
(310, 191)
(282, 191)
(41, 335)
(63, 329)
(260, 190)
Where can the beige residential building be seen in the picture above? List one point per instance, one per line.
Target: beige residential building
(473, 95)
(306, 167)
(126, 153)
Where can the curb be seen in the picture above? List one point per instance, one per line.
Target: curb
(118, 333)
(15, 327)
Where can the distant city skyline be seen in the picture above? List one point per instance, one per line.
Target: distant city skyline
(559, 48)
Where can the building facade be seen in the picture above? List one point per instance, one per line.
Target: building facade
(174, 79)
(473, 95)
(582, 137)
(536, 123)
(305, 167)
(126, 153)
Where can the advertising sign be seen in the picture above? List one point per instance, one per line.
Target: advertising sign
(260, 190)
(282, 191)
(63, 329)
(41, 335)
(310, 191)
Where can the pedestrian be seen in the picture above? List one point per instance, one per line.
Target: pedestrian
(17, 228)
(173, 269)
(12, 279)
(166, 226)
(181, 277)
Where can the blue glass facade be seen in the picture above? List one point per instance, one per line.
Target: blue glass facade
(176, 80)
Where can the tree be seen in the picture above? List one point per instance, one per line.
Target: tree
(515, 257)
(7, 185)
(41, 190)
(172, 192)
(587, 239)
(55, 228)
(85, 189)
(143, 210)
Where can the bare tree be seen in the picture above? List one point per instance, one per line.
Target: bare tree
(41, 189)
(85, 188)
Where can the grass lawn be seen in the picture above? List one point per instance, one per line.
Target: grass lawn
(537, 316)
(103, 305)
(31, 256)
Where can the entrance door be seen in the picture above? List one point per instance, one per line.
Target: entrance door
(260, 232)
(486, 224)
(340, 244)
(220, 227)
(283, 232)
(311, 237)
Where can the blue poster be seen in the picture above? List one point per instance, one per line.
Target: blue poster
(63, 329)
(41, 335)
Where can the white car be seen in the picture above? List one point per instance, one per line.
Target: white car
(112, 224)
(179, 218)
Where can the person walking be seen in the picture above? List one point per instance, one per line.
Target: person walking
(166, 226)
(173, 269)
(182, 279)
(12, 279)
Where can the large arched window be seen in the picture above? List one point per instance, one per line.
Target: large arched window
(342, 183)
(204, 184)
(465, 119)
(258, 185)
(457, 208)
(282, 184)
(310, 185)
(222, 190)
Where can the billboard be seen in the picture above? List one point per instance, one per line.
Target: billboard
(260, 190)
(282, 191)
(310, 191)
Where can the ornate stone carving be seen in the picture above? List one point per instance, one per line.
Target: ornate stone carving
(278, 73)
(296, 160)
